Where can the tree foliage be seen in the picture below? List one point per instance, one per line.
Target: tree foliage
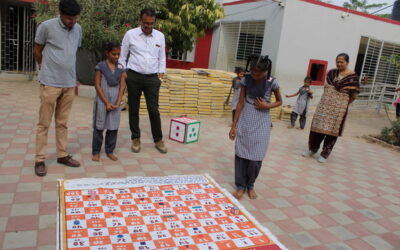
(362, 5)
(108, 20)
(385, 15)
(184, 21)
(393, 60)
(101, 20)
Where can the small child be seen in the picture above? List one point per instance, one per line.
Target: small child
(397, 104)
(305, 94)
(236, 88)
(252, 123)
(110, 85)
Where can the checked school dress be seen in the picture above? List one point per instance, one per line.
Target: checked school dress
(103, 119)
(254, 126)
(302, 101)
(253, 132)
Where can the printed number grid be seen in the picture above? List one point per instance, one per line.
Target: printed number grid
(191, 216)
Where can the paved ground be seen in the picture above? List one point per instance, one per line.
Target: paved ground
(350, 202)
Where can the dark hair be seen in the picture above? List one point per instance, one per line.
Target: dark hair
(308, 79)
(69, 7)
(147, 12)
(108, 46)
(239, 70)
(344, 55)
(263, 63)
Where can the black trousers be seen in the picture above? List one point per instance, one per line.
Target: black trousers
(398, 111)
(246, 172)
(314, 142)
(111, 141)
(293, 118)
(150, 86)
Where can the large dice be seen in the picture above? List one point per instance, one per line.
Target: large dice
(184, 130)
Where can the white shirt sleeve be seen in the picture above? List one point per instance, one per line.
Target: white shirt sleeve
(162, 57)
(124, 50)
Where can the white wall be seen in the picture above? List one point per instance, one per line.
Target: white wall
(267, 11)
(301, 31)
(311, 31)
(214, 46)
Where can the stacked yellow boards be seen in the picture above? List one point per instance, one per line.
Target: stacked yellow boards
(176, 94)
(213, 89)
(191, 92)
(285, 113)
(197, 92)
(204, 101)
(164, 98)
(275, 113)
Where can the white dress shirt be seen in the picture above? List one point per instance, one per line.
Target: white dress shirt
(146, 53)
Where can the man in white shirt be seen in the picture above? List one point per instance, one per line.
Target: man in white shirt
(143, 54)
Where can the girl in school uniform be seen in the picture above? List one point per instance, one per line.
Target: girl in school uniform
(110, 85)
(301, 107)
(252, 123)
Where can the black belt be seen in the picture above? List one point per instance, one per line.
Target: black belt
(147, 75)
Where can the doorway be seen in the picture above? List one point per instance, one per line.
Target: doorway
(17, 38)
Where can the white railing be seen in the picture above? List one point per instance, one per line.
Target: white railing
(382, 73)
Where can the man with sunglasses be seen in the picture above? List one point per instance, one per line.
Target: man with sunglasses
(143, 54)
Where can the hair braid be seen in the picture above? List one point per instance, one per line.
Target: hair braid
(263, 63)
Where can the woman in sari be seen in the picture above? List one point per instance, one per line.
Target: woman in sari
(341, 89)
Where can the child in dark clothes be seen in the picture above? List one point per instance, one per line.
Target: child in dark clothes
(301, 107)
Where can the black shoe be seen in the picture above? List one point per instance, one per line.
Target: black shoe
(40, 168)
(68, 161)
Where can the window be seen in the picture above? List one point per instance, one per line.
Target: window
(187, 56)
(249, 44)
(317, 71)
(237, 41)
(176, 55)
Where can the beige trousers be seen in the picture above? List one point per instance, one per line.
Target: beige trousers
(57, 101)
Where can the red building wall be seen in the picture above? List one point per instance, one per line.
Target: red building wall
(201, 57)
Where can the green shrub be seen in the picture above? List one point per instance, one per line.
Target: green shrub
(385, 134)
(391, 134)
(396, 131)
